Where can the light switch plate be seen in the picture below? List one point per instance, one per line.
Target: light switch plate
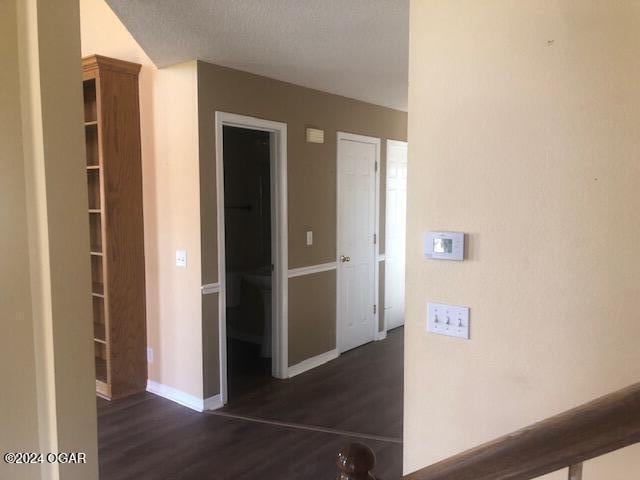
(449, 320)
(149, 355)
(181, 258)
(309, 238)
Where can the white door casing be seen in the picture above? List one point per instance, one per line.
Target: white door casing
(279, 241)
(395, 234)
(357, 232)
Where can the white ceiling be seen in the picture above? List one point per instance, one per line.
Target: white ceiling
(355, 48)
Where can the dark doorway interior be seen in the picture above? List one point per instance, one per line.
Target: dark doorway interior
(247, 192)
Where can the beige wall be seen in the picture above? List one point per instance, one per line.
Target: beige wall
(524, 117)
(210, 345)
(311, 167)
(312, 300)
(19, 412)
(169, 131)
(311, 183)
(47, 344)
(177, 111)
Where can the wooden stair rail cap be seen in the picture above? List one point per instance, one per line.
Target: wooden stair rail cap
(604, 425)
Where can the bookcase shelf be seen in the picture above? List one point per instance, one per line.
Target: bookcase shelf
(114, 203)
(99, 332)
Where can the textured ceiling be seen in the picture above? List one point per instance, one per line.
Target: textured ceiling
(355, 48)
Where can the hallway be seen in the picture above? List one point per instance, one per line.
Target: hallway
(285, 429)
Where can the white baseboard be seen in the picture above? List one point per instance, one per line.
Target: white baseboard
(381, 336)
(184, 399)
(312, 362)
(213, 403)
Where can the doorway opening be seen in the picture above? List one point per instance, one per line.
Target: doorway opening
(251, 180)
(247, 212)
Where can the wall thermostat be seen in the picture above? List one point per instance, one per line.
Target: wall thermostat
(444, 245)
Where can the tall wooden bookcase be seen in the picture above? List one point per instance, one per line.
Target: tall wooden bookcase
(114, 179)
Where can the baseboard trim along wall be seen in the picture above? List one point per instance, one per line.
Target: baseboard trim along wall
(381, 335)
(184, 399)
(212, 403)
(324, 267)
(312, 362)
(210, 288)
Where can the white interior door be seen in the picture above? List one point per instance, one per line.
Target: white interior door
(395, 233)
(357, 164)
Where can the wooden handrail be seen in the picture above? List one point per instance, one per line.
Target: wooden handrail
(591, 430)
(609, 423)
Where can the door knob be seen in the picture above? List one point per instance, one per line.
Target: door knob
(344, 259)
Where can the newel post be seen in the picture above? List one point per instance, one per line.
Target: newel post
(575, 472)
(355, 462)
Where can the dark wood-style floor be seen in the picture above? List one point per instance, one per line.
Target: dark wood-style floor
(282, 430)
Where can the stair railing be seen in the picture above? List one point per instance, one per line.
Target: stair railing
(563, 441)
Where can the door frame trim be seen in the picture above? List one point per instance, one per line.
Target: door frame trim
(279, 241)
(376, 227)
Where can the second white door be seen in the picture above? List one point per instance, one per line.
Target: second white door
(395, 233)
(357, 230)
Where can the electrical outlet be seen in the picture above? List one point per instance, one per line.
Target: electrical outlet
(449, 320)
(181, 258)
(309, 238)
(149, 355)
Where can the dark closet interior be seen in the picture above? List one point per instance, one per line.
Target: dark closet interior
(247, 192)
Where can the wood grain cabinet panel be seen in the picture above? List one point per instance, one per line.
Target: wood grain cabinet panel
(114, 181)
